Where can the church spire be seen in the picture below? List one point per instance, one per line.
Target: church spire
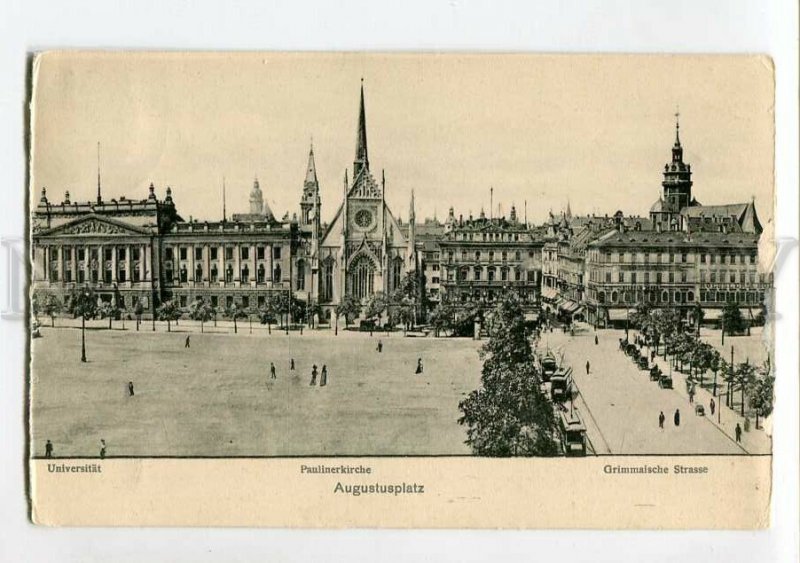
(311, 169)
(361, 159)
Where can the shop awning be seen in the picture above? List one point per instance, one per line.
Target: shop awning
(618, 314)
(549, 293)
(712, 314)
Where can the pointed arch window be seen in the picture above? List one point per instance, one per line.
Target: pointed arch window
(362, 277)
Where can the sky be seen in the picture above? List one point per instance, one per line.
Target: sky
(594, 131)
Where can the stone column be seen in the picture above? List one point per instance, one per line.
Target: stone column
(237, 263)
(268, 250)
(254, 268)
(221, 260)
(206, 264)
(75, 264)
(60, 264)
(128, 262)
(101, 263)
(114, 251)
(190, 268)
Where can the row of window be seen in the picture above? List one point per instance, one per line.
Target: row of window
(94, 276)
(80, 253)
(487, 237)
(244, 252)
(183, 274)
(633, 297)
(723, 276)
(671, 258)
(490, 255)
(463, 274)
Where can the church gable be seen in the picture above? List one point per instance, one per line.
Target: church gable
(364, 186)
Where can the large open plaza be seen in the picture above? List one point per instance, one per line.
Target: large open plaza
(216, 398)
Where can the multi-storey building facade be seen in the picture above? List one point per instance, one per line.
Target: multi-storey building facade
(481, 258)
(596, 268)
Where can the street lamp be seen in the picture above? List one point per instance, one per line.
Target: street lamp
(83, 324)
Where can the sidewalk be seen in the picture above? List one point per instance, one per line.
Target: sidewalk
(756, 441)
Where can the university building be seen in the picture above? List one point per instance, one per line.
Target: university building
(594, 268)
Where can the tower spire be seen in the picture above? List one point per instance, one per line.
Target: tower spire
(361, 158)
(99, 196)
(677, 126)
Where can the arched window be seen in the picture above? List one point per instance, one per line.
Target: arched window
(301, 275)
(276, 273)
(245, 274)
(260, 273)
(229, 274)
(198, 273)
(326, 291)
(614, 296)
(665, 297)
(477, 275)
(690, 296)
(362, 277)
(491, 272)
(601, 296)
(214, 273)
(396, 273)
(184, 274)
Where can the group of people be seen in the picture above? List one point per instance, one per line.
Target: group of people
(48, 449)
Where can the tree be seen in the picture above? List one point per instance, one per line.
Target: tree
(442, 318)
(732, 319)
(235, 312)
(313, 311)
(715, 363)
(762, 393)
(138, 309)
(50, 305)
(376, 306)
(169, 312)
(109, 310)
(268, 312)
(509, 414)
(201, 311)
(350, 307)
(744, 378)
(83, 303)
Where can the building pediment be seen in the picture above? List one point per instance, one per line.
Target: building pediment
(94, 225)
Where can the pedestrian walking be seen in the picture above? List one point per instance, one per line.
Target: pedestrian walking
(738, 433)
(380, 346)
(187, 341)
(691, 394)
(102, 449)
(587, 367)
(419, 366)
(677, 417)
(652, 355)
(130, 389)
(291, 365)
(313, 375)
(712, 405)
(272, 371)
(596, 341)
(323, 378)
(661, 419)
(48, 449)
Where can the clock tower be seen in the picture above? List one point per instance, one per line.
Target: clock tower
(364, 243)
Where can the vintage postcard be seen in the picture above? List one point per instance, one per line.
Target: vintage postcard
(401, 290)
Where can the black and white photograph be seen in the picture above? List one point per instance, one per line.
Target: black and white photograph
(319, 255)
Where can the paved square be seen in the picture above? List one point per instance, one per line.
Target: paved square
(216, 398)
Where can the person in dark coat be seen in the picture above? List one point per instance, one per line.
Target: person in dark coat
(712, 405)
(291, 365)
(587, 367)
(313, 375)
(130, 389)
(738, 433)
(272, 371)
(595, 340)
(187, 341)
(677, 417)
(380, 346)
(419, 366)
(323, 378)
(48, 449)
(661, 419)
(102, 449)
